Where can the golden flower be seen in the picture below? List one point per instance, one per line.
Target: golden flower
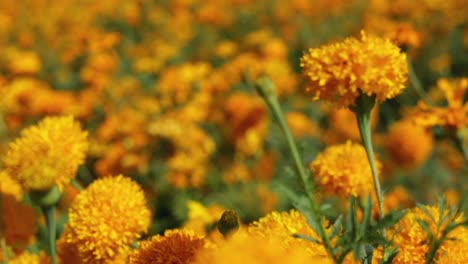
(454, 250)
(453, 116)
(344, 170)
(19, 221)
(409, 144)
(412, 240)
(283, 226)
(301, 125)
(47, 154)
(245, 249)
(340, 72)
(30, 258)
(176, 246)
(106, 218)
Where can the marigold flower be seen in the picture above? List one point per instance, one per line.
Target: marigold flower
(453, 116)
(107, 217)
(30, 258)
(176, 246)
(412, 240)
(344, 170)
(340, 72)
(283, 226)
(47, 154)
(246, 249)
(409, 144)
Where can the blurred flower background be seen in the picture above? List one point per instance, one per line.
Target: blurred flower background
(143, 116)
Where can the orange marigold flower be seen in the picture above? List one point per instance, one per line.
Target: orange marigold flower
(176, 246)
(246, 249)
(47, 154)
(340, 72)
(30, 258)
(409, 144)
(283, 226)
(107, 217)
(344, 170)
(412, 240)
(453, 116)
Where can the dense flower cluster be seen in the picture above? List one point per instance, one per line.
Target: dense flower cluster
(47, 154)
(341, 71)
(343, 170)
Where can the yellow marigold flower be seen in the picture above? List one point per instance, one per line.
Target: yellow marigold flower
(30, 258)
(107, 217)
(340, 72)
(176, 246)
(10, 187)
(301, 125)
(412, 240)
(453, 116)
(47, 154)
(245, 249)
(409, 144)
(283, 226)
(344, 170)
(454, 251)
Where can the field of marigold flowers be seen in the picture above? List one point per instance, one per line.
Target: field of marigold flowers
(233, 131)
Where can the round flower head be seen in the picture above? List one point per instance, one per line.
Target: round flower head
(30, 258)
(340, 72)
(106, 218)
(176, 246)
(408, 144)
(344, 170)
(47, 154)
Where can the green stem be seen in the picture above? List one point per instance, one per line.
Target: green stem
(458, 136)
(4, 250)
(266, 89)
(364, 105)
(77, 185)
(416, 83)
(49, 213)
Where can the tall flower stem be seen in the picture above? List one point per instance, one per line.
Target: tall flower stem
(266, 89)
(362, 110)
(49, 213)
(47, 201)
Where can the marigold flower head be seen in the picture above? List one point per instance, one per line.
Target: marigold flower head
(454, 115)
(344, 170)
(47, 154)
(176, 246)
(409, 144)
(412, 240)
(283, 226)
(245, 249)
(340, 72)
(107, 217)
(10, 187)
(30, 258)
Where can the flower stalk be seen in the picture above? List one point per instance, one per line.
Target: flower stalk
(362, 110)
(266, 89)
(2, 234)
(49, 214)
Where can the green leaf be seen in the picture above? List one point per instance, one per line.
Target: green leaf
(390, 219)
(351, 224)
(389, 256)
(306, 237)
(425, 211)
